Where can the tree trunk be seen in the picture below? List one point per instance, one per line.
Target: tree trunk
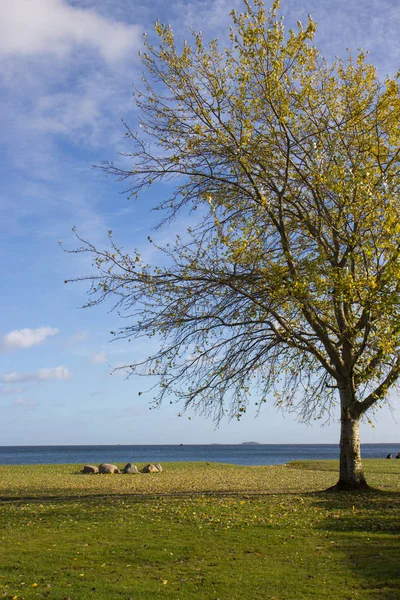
(351, 476)
(351, 471)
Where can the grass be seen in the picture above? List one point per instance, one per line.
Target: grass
(199, 531)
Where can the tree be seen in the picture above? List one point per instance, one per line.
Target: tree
(288, 283)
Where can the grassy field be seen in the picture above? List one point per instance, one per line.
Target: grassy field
(197, 530)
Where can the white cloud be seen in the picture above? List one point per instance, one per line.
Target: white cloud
(24, 404)
(120, 370)
(37, 27)
(60, 372)
(99, 357)
(78, 337)
(10, 390)
(98, 392)
(203, 14)
(25, 338)
(87, 112)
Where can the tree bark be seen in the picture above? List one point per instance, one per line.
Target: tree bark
(351, 475)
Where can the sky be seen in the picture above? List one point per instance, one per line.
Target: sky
(66, 73)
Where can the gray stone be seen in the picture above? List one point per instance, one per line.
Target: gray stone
(149, 469)
(130, 468)
(107, 468)
(89, 469)
(158, 467)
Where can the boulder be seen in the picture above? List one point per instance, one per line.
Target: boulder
(158, 467)
(88, 469)
(107, 468)
(149, 469)
(130, 468)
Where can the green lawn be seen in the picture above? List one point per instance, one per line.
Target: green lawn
(199, 531)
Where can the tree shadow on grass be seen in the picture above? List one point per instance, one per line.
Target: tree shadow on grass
(365, 527)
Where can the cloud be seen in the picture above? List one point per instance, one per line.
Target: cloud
(372, 25)
(84, 112)
(98, 392)
(10, 390)
(37, 27)
(120, 370)
(78, 337)
(213, 16)
(25, 338)
(25, 404)
(60, 372)
(99, 357)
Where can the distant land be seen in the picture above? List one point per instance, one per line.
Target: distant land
(251, 444)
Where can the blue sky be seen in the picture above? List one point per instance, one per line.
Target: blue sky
(67, 69)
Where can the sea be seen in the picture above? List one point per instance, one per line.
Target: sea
(238, 454)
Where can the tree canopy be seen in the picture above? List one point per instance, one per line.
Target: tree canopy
(288, 282)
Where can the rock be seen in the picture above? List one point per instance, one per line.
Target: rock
(149, 469)
(389, 455)
(107, 468)
(130, 468)
(398, 455)
(158, 467)
(87, 469)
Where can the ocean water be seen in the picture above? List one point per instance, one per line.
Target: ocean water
(240, 454)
